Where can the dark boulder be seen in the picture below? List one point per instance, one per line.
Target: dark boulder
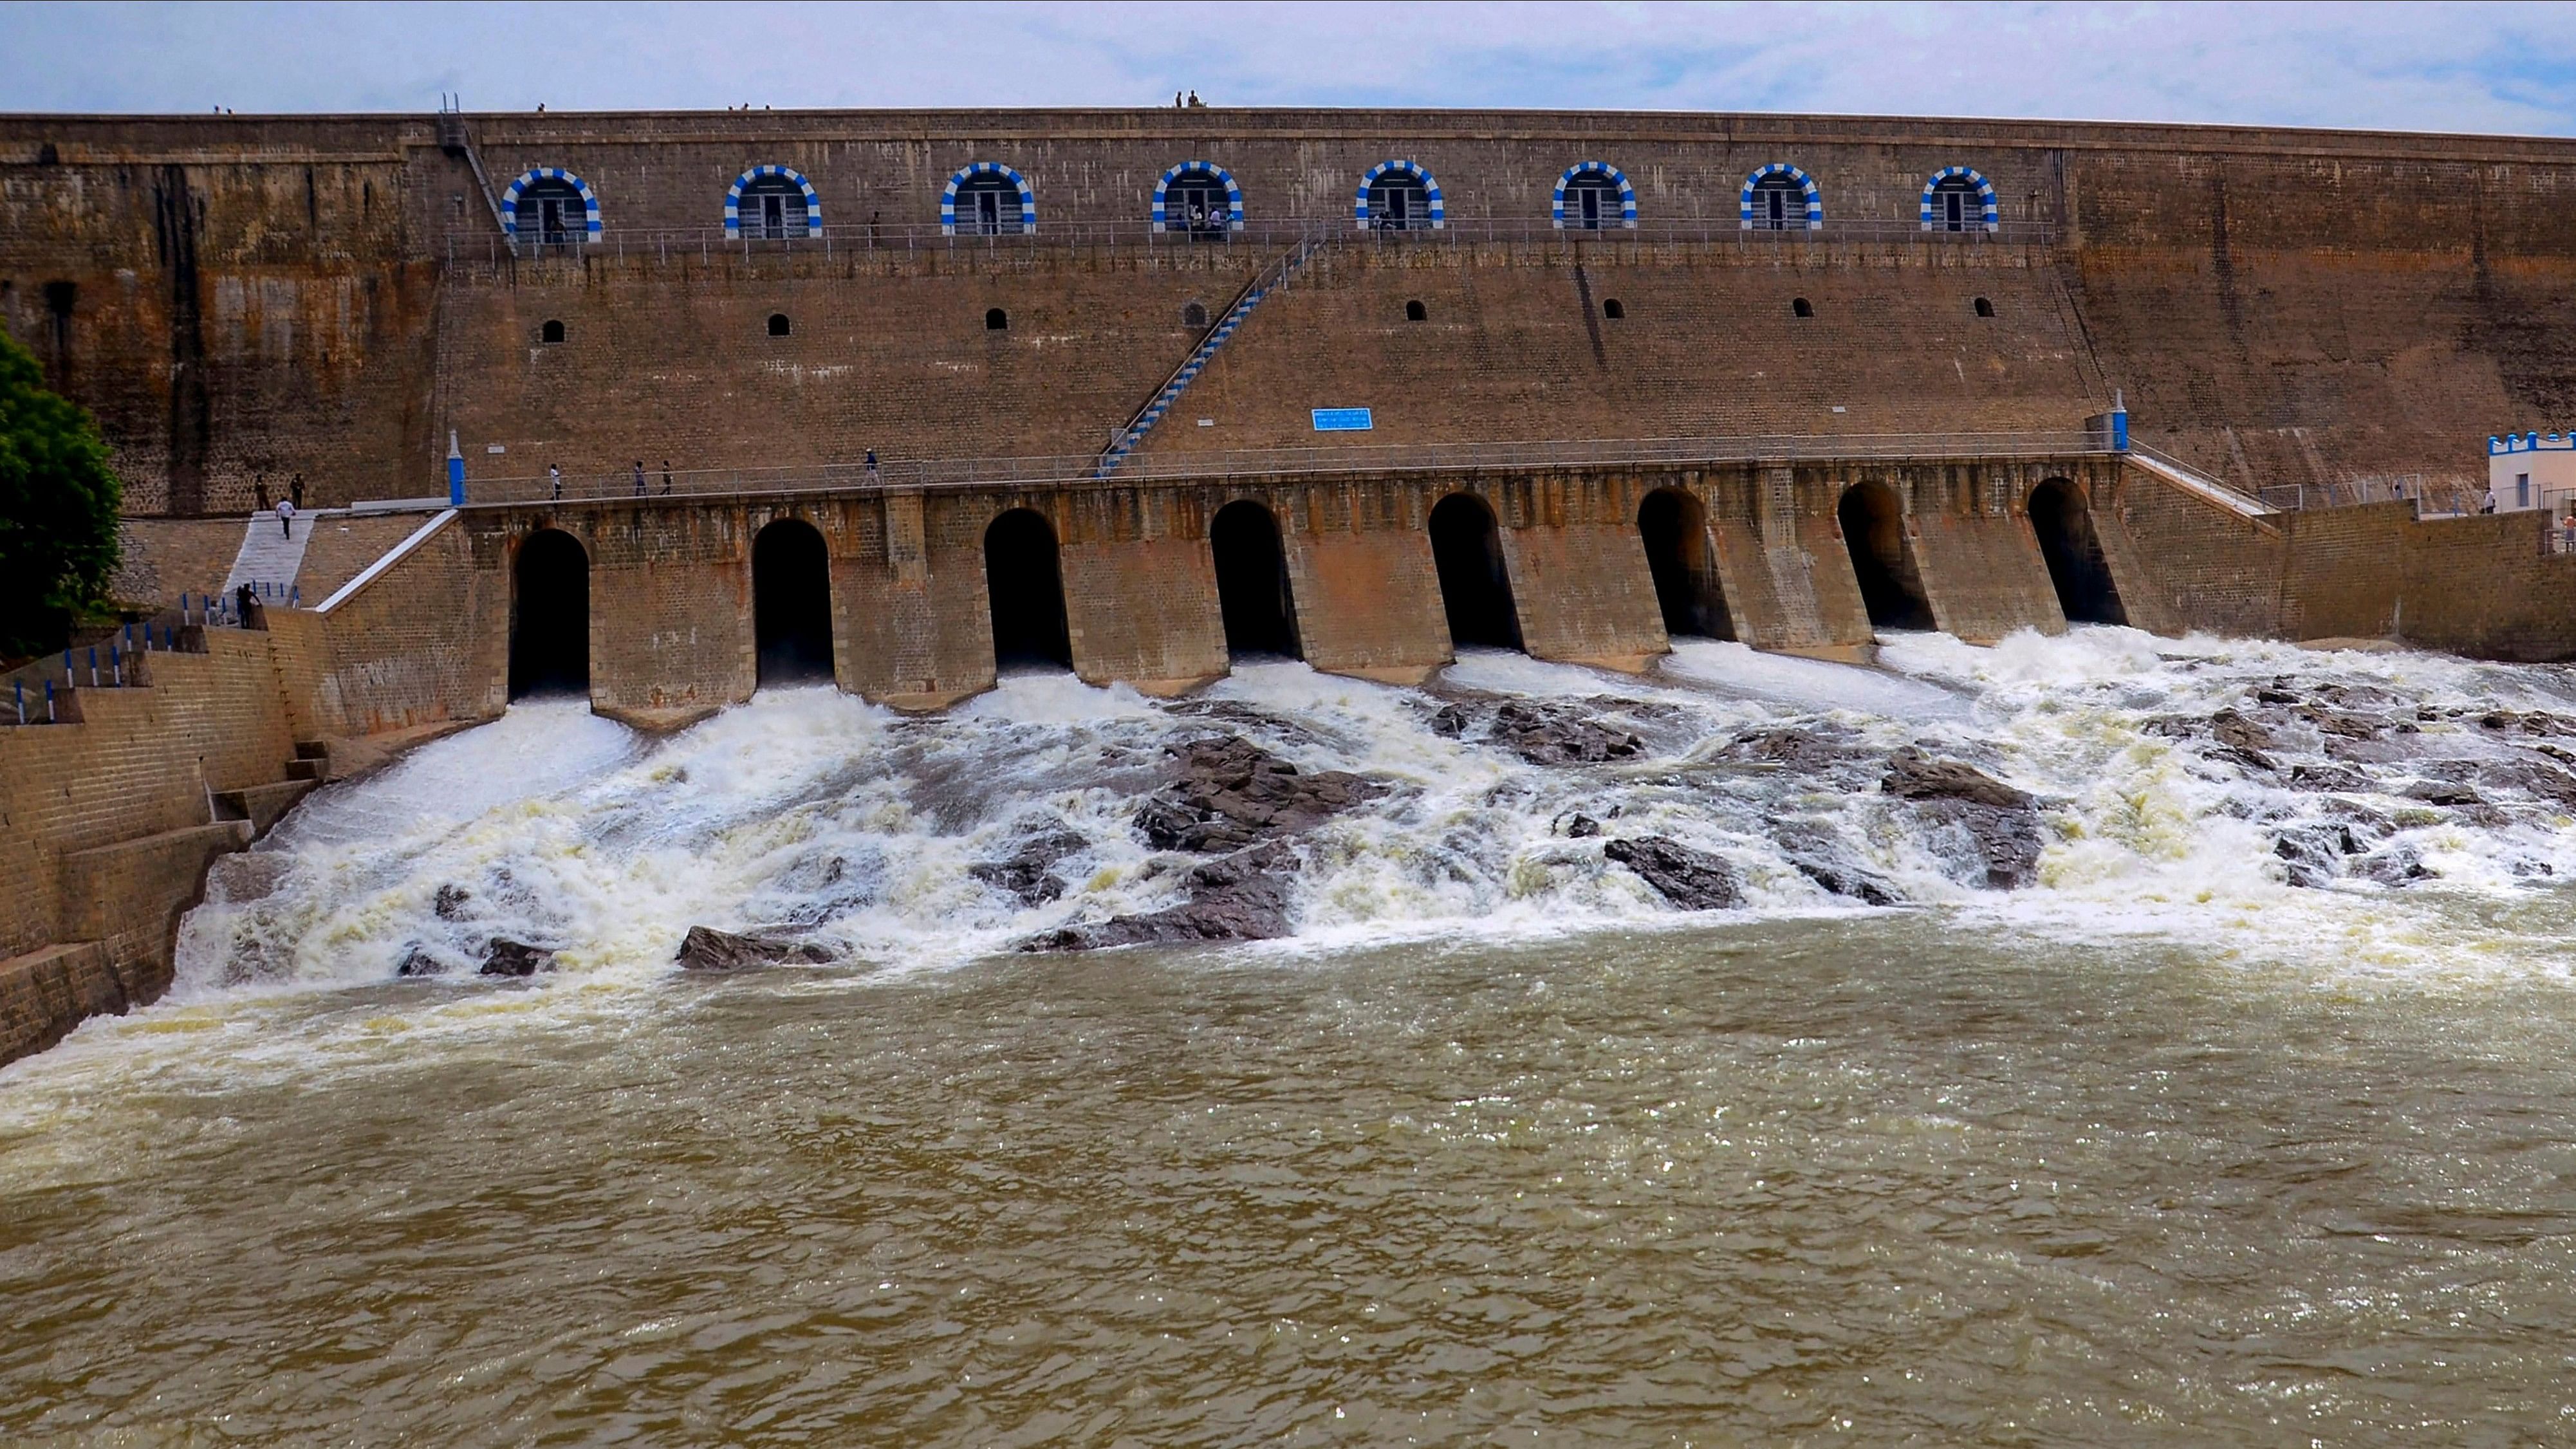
(449, 903)
(1546, 735)
(1843, 881)
(516, 958)
(1232, 793)
(2313, 855)
(1996, 821)
(1691, 879)
(417, 961)
(2241, 739)
(1582, 827)
(708, 949)
(1026, 874)
(1243, 897)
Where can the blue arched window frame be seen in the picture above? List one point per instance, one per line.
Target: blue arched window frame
(510, 202)
(966, 173)
(1617, 177)
(1233, 192)
(1806, 184)
(733, 199)
(1415, 169)
(1985, 195)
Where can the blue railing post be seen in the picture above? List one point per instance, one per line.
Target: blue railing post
(455, 472)
(20, 687)
(49, 701)
(93, 666)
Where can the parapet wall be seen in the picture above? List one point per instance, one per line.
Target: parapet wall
(244, 299)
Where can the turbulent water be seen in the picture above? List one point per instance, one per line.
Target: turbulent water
(2244, 1113)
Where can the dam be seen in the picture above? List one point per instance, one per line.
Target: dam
(1292, 776)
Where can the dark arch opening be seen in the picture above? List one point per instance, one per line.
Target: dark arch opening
(1592, 201)
(791, 603)
(1881, 558)
(772, 208)
(989, 204)
(1252, 581)
(1196, 204)
(1612, 310)
(552, 332)
(1985, 308)
(1779, 202)
(1957, 204)
(2064, 524)
(996, 320)
(1801, 307)
(551, 213)
(1416, 312)
(1194, 315)
(1675, 528)
(777, 324)
(1475, 587)
(550, 616)
(1027, 592)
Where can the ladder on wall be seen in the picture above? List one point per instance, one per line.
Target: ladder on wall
(1272, 276)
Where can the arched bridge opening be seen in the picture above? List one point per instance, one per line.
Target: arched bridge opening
(1027, 591)
(1252, 582)
(791, 604)
(1475, 586)
(1674, 526)
(550, 616)
(1882, 558)
(2063, 521)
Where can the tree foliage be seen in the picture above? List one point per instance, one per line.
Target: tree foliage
(58, 506)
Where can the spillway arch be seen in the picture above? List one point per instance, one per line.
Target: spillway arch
(791, 603)
(1024, 592)
(1474, 573)
(550, 614)
(2061, 519)
(1871, 516)
(1681, 558)
(1256, 601)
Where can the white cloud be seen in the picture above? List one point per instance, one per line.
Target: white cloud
(2445, 68)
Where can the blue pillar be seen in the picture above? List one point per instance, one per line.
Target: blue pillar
(455, 472)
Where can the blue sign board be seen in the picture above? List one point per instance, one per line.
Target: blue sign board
(1343, 420)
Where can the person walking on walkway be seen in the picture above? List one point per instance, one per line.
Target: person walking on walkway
(554, 481)
(2489, 505)
(666, 477)
(295, 490)
(639, 477)
(872, 467)
(286, 517)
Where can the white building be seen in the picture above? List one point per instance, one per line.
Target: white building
(2532, 470)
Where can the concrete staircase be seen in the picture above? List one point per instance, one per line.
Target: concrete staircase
(1264, 282)
(269, 560)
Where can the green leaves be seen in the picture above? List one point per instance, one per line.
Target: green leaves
(58, 507)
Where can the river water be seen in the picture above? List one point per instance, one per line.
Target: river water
(2248, 1117)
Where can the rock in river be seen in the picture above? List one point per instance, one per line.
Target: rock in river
(1243, 897)
(708, 949)
(1997, 820)
(1232, 793)
(516, 958)
(1691, 879)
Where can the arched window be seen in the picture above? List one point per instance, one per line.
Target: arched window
(1612, 310)
(1398, 196)
(773, 203)
(777, 324)
(1199, 199)
(1958, 199)
(549, 207)
(1416, 312)
(1594, 194)
(1985, 308)
(1801, 307)
(988, 199)
(553, 331)
(1780, 197)
(1194, 315)
(996, 320)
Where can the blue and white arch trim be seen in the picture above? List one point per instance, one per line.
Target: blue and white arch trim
(1608, 172)
(1233, 193)
(1806, 183)
(733, 199)
(1985, 194)
(510, 199)
(948, 198)
(1430, 191)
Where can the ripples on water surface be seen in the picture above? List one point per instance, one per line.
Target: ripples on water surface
(1498, 1149)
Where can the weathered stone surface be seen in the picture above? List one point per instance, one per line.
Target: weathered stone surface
(2313, 855)
(418, 961)
(1559, 736)
(1997, 820)
(1243, 897)
(1232, 793)
(1027, 872)
(1691, 879)
(708, 949)
(449, 903)
(516, 958)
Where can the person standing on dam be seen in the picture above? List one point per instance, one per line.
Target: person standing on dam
(554, 481)
(639, 477)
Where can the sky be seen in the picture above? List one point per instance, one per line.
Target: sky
(2472, 67)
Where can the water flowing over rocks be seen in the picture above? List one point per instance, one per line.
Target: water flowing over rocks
(516, 958)
(1997, 820)
(1028, 874)
(1242, 897)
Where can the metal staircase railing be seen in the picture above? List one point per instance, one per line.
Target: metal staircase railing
(1273, 275)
